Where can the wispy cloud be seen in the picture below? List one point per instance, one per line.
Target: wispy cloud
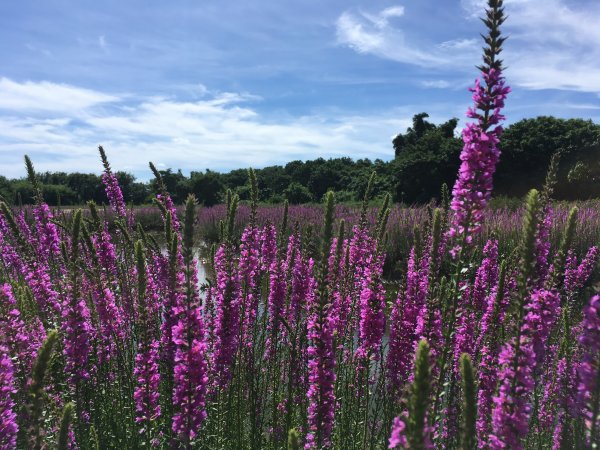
(373, 33)
(102, 43)
(48, 97)
(553, 46)
(437, 84)
(221, 131)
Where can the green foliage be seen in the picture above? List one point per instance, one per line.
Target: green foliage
(469, 407)
(427, 155)
(65, 423)
(527, 148)
(207, 187)
(293, 440)
(419, 398)
(296, 193)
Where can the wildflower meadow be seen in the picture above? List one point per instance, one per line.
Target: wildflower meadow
(293, 334)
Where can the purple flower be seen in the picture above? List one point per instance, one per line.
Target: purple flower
(486, 277)
(372, 312)
(250, 273)
(321, 377)
(227, 323)
(519, 363)
(543, 313)
(479, 158)
(542, 244)
(167, 202)
(405, 311)
(589, 368)
(146, 391)
(8, 417)
(512, 405)
(275, 304)
(22, 340)
(48, 232)
(398, 437)
(576, 276)
(78, 333)
(190, 371)
(114, 193)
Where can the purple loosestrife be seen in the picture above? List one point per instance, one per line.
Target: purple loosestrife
(190, 375)
(269, 247)
(398, 435)
(147, 377)
(112, 188)
(167, 202)
(190, 372)
(428, 324)
(577, 275)
(486, 277)
(250, 249)
(146, 373)
(405, 311)
(22, 340)
(589, 369)
(107, 255)
(464, 341)
(321, 357)
(227, 311)
(480, 153)
(76, 325)
(8, 417)
(512, 405)
(275, 304)
(372, 311)
(361, 247)
(321, 379)
(557, 400)
(49, 239)
(488, 349)
(544, 311)
(542, 245)
(78, 334)
(110, 316)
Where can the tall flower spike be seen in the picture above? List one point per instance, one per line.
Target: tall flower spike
(190, 372)
(111, 185)
(146, 372)
(416, 428)
(321, 359)
(480, 153)
(589, 369)
(8, 417)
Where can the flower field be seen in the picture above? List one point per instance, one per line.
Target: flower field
(450, 326)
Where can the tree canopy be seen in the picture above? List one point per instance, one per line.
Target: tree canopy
(425, 156)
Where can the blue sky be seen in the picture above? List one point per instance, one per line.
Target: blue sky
(221, 85)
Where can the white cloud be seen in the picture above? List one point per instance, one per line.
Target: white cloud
(550, 46)
(48, 97)
(438, 84)
(219, 131)
(555, 46)
(372, 33)
(393, 11)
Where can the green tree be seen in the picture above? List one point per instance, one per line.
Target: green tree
(207, 187)
(297, 193)
(528, 145)
(427, 156)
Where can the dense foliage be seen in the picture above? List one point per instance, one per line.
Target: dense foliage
(296, 338)
(426, 156)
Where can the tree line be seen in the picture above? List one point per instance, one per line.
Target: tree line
(426, 155)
